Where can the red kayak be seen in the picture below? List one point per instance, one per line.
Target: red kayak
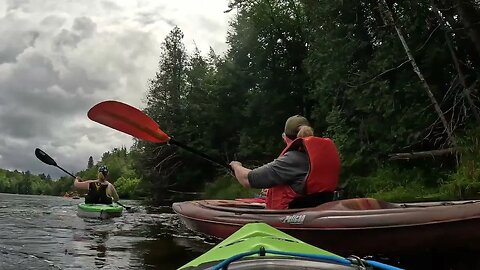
(362, 226)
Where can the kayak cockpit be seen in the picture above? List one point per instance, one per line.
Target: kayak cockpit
(243, 206)
(279, 263)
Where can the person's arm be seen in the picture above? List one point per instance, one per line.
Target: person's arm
(241, 173)
(113, 192)
(79, 184)
(289, 169)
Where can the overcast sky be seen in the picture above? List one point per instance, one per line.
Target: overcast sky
(58, 58)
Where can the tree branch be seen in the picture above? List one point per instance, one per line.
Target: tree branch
(423, 154)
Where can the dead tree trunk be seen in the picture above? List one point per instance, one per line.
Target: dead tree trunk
(461, 76)
(416, 69)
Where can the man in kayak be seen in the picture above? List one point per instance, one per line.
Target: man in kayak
(100, 191)
(304, 175)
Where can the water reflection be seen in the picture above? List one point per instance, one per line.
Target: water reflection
(43, 232)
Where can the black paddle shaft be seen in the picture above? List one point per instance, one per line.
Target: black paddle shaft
(66, 171)
(203, 155)
(126, 207)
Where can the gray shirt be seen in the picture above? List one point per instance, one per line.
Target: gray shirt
(290, 169)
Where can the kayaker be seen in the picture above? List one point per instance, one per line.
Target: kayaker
(304, 175)
(100, 191)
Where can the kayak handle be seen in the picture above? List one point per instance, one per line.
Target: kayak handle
(329, 258)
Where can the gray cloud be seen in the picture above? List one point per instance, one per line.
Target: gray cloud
(22, 125)
(59, 58)
(111, 6)
(13, 5)
(147, 17)
(14, 39)
(84, 26)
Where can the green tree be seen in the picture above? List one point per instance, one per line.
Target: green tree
(268, 48)
(165, 102)
(128, 188)
(90, 162)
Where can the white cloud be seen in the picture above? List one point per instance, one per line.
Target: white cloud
(59, 58)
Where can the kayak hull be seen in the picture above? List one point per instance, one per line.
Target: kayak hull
(260, 246)
(345, 228)
(99, 211)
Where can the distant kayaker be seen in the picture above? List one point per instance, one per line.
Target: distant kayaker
(100, 191)
(304, 175)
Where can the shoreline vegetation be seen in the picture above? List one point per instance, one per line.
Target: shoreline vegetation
(390, 182)
(384, 80)
(122, 174)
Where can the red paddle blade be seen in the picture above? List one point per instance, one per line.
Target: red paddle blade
(127, 119)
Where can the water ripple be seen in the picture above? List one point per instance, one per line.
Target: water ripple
(43, 232)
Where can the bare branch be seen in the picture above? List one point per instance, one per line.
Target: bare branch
(416, 69)
(423, 154)
(428, 39)
(379, 75)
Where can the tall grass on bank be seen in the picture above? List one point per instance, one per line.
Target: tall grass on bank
(464, 183)
(227, 187)
(394, 184)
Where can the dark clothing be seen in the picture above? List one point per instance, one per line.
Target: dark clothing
(311, 200)
(97, 194)
(290, 169)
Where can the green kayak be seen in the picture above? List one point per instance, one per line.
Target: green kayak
(260, 246)
(103, 211)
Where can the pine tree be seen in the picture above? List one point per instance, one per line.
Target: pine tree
(167, 89)
(90, 162)
(165, 103)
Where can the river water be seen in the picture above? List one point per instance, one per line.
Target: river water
(44, 232)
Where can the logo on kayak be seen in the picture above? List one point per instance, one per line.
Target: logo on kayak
(294, 219)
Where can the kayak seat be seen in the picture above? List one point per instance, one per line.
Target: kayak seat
(357, 204)
(311, 200)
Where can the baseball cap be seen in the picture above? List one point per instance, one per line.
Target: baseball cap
(293, 123)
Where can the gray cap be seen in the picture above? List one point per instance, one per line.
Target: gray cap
(293, 124)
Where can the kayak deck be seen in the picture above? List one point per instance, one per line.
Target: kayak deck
(260, 246)
(278, 263)
(102, 211)
(252, 237)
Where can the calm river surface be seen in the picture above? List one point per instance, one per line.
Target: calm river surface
(44, 232)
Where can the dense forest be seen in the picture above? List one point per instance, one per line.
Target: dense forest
(393, 83)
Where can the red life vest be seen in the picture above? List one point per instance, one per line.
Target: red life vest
(323, 174)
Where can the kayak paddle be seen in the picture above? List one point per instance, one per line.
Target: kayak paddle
(45, 158)
(128, 208)
(130, 120)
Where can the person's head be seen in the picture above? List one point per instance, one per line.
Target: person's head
(297, 126)
(102, 173)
